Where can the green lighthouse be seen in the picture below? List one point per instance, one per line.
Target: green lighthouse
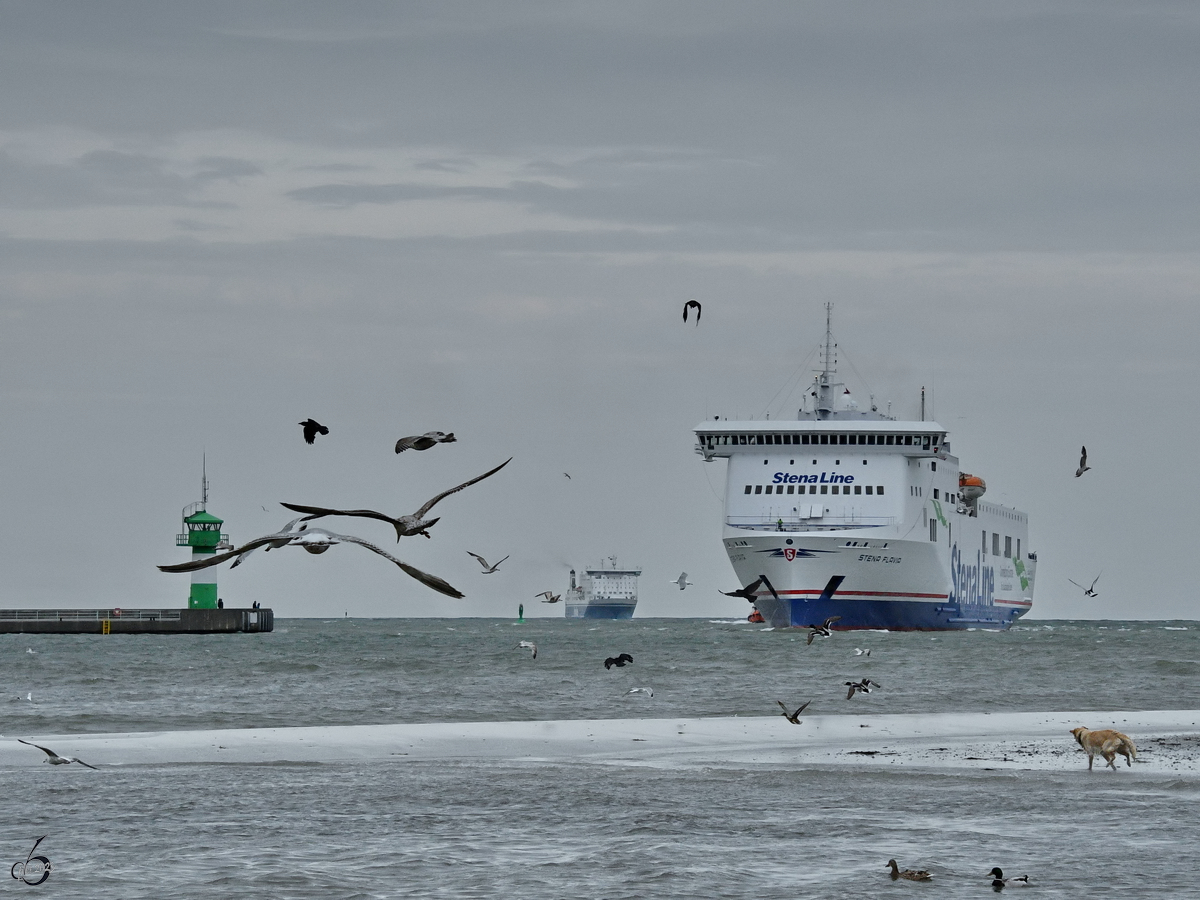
(202, 532)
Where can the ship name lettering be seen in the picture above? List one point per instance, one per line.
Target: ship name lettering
(823, 478)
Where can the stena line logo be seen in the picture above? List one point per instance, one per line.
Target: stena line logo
(823, 478)
(972, 583)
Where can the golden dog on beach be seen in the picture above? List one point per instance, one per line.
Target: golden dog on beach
(1107, 743)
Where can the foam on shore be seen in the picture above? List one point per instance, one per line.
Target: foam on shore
(1168, 742)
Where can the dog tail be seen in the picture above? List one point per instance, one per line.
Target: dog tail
(1128, 744)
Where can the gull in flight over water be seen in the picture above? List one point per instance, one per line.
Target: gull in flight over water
(1083, 466)
(681, 581)
(55, 759)
(750, 591)
(640, 690)
(424, 441)
(314, 540)
(793, 717)
(550, 598)
(863, 686)
(527, 645)
(288, 529)
(405, 525)
(858, 652)
(823, 629)
(691, 304)
(1087, 591)
(487, 569)
(311, 429)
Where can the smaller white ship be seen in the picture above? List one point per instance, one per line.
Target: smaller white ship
(605, 592)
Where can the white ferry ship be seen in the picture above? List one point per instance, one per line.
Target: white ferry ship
(848, 512)
(603, 593)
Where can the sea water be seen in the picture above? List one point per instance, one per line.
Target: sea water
(487, 828)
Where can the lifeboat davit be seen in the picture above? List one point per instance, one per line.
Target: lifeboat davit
(970, 487)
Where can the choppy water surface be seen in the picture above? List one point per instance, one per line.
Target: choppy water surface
(550, 830)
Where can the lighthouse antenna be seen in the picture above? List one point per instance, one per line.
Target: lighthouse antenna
(204, 481)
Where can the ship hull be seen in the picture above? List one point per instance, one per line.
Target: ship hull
(599, 611)
(908, 587)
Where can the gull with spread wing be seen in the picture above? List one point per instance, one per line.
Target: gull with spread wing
(405, 525)
(314, 540)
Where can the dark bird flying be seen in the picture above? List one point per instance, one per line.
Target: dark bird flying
(691, 304)
(311, 429)
(618, 661)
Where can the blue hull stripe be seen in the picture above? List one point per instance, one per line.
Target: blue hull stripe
(894, 615)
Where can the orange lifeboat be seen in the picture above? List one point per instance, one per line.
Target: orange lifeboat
(970, 487)
(755, 617)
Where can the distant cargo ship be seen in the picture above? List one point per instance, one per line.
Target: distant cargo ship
(851, 513)
(603, 593)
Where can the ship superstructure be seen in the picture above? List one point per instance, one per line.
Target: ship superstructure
(605, 592)
(851, 513)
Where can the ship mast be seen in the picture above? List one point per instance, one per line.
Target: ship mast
(829, 368)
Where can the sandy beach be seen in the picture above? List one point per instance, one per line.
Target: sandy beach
(1167, 742)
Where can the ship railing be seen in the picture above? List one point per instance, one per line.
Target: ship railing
(793, 523)
(84, 615)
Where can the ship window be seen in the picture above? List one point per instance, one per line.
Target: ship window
(787, 438)
(891, 438)
(812, 488)
(1008, 546)
(758, 489)
(879, 489)
(908, 440)
(858, 489)
(933, 529)
(824, 489)
(935, 493)
(791, 488)
(841, 439)
(824, 439)
(870, 490)
(804, 438)
(747, 489)
(759, 438)
(931, 465)
(1018, 548)
(834, 489)
(870, 439)
(925, 442)
(995, 544)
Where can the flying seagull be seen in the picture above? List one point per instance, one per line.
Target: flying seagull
(568, 476)
(681, 581)
(55, 759)
(640, 690)
(314, 540)
(424, 441)
(311, 429)
(487, 569)
(1083, 466)
(863, 686)
(750, 591)
(858, 652)
(691, 304)
(793, 717)
(405, 525)
(288, 529)
(823, 629)
(618, 661)
(527, 645)
(550, 598)
(1087, 591)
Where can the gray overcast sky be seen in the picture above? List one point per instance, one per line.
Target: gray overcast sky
(218, 219)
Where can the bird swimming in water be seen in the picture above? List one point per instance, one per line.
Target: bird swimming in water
(863, 686)
(55, 759)
(908, 874)
(822, 630)
(793, 717)
(527, 645)
(487, 569)
(618, 661)
(681, 581)
(691, 304)
(311, 429)
(424, 441)
(1087, 591)
(314, 540)
(405, 526)
(550, 598)
(999, 881)
(1083, 466)
(750, 591)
